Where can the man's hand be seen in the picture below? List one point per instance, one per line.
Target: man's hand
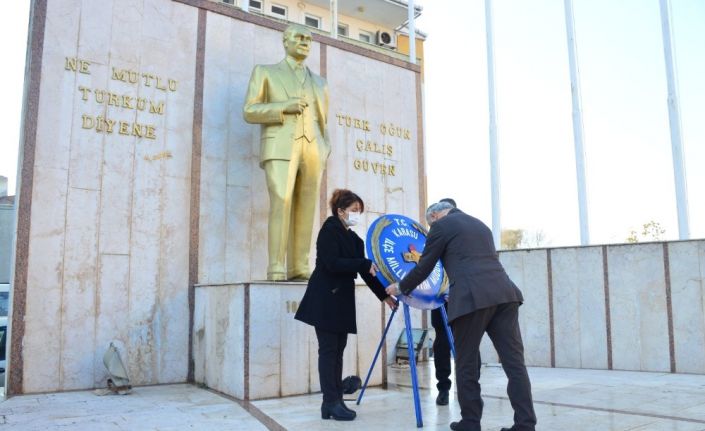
(393, 304)
(295, 105)
(393, 289)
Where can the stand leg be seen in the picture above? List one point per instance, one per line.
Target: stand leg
(381, 342)
(412, 366)
(448, 331)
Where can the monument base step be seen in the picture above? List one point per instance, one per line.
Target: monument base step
(248, 345)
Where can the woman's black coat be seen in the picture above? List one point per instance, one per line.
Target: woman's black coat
(329, 301)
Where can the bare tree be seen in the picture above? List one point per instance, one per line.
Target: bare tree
(512, 238)
(650, 231)
(534, 239)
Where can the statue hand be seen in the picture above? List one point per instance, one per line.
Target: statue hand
(295, 105)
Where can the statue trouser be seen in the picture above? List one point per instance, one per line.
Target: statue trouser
(293, 193)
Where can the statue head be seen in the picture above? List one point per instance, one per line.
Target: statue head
(297, 41)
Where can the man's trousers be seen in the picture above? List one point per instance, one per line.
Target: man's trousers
(501, 322)
(441, 351)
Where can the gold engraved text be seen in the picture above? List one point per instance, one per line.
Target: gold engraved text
(122, 100)
(390, 129)
(357, 123)
(130, 100)
(374, 167)
(292, 306)
(159, 156)
(77, 65)
(106, 125)
(148, 79)
(374, 147)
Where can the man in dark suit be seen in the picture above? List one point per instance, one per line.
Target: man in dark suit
(482, 299)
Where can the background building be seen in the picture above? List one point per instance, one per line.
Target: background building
(7, 222)
(6, 227)
(374, 23)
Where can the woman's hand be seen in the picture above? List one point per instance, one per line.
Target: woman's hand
(391, 302)
(393, 289)
(374, 269)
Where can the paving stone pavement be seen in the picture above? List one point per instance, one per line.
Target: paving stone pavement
(565, 399)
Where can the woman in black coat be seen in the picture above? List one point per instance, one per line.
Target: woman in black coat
(329, 301)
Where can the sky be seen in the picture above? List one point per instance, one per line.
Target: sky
(627, 143)
(624, 101)
(14, 22)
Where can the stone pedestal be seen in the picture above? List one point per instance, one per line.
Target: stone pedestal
(247, 343)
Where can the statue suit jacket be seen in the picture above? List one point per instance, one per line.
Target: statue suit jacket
(329, 301)
(465, 246)
(270, 87)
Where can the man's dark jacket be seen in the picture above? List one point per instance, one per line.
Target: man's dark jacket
(465, 246)
(329, 301)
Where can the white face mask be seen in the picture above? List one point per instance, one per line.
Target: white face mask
(353, 218)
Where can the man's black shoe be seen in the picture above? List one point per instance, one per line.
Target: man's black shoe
(442, 398)
(457, 426)
(460, 426)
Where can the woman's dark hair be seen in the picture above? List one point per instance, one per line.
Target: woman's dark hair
(343, 198)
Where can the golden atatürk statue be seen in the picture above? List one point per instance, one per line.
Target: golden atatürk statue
(291, 104)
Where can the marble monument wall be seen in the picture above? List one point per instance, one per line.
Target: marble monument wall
(103, 238)
(139, 180)
(624, 307)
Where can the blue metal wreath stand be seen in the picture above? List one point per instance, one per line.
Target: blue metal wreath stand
(412, 356)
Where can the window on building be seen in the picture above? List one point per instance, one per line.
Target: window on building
(342, 29)
(279, 10)
(256, 4)
(228, 1)
(312, 21)
(366, 36)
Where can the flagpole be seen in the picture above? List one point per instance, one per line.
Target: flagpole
(577, 124)
(674, 120)
(334, 19)
(494, 150)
